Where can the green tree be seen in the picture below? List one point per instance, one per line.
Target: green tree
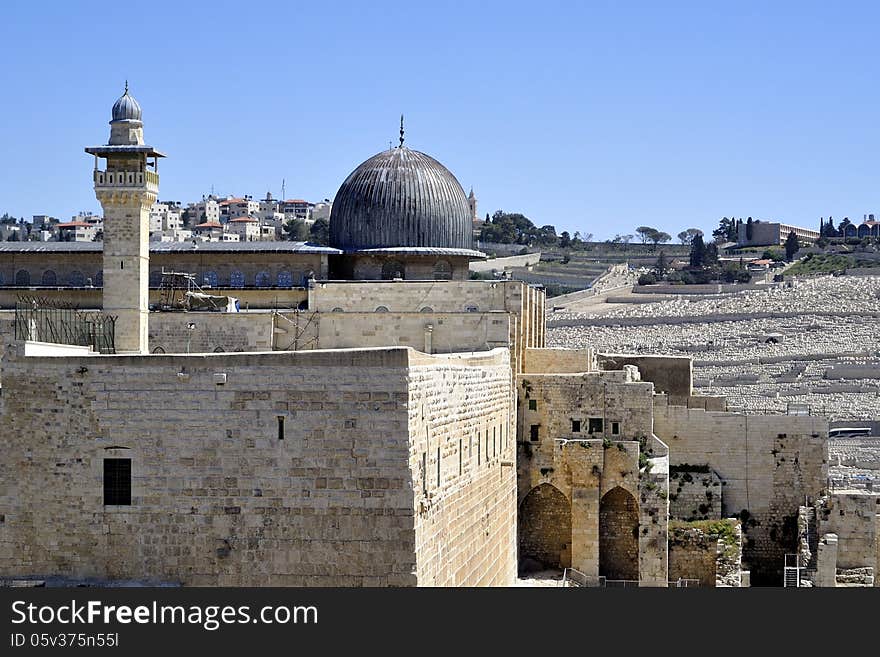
(698, 252)
(749, 229)
(320, 232)
(791, 246)
(296, 230)
(687, 236)
(564, 240)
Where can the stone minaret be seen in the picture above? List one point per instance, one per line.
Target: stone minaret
(126, 190)
(472, 205)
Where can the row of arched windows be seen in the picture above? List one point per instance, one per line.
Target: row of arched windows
(76, 278)
(50, 278)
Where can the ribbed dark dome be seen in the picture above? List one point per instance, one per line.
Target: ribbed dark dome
(126, 108)
(400, 198)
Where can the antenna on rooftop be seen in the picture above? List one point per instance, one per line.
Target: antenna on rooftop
(282, 190)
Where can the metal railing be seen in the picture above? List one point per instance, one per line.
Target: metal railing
(45, 320)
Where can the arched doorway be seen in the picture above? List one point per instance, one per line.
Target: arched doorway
(393, 269)
(544, 530)
(619, 535)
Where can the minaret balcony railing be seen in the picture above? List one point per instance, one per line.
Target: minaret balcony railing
(127, 180)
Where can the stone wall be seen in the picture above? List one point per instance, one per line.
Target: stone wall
(560, 361)
(768, 464)
(669, 374)
(710, 552)
(853, 517)
(252, 469)
(465, 522)
(214, 332)
(694, 493)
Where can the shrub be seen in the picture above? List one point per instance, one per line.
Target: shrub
(647, 279)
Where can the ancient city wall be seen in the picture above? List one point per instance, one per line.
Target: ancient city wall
(292, 469)
(768, 465)
(462, 451)
(694, 493)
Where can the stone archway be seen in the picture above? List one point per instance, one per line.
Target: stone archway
(544, 530)
(393, 269)
(619, 535)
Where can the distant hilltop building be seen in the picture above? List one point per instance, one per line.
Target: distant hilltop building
(771, 233)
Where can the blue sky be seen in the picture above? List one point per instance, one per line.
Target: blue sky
(592, 116)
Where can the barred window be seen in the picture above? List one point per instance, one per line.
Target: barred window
(117, 482)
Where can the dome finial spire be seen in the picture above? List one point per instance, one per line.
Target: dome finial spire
(126, 86)
(401, 130)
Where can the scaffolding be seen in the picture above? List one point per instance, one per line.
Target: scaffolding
(178, 291)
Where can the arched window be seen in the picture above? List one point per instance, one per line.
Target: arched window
(442, 270)
(49, 278)
(426, 309)
(393, 269)
(211, 279)
(76, 279)
(236, 279)
(472, 309)
(262, 279)
(158, 350)
(22, 277)
(337, 310)
(382, 309)
(285, 279)
(219, 350)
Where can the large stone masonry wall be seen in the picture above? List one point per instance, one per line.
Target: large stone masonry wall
(426, 332)
(853, 517)
(560, 361)
(217, 497)
(465, 523)
(769, 465)
(214, 332)
(694, 493)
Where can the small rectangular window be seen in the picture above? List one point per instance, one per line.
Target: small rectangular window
(533, 404)
(281, 427)
(460, 457)
(424, 472)
(596, 425)
(615, 428)
(575, 426)
(117, 482)
(478, 449)
(438, 467)
(533, 433)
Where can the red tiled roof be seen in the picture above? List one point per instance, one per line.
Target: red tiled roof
(75, 224)
(210, 224)
(243, 220)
